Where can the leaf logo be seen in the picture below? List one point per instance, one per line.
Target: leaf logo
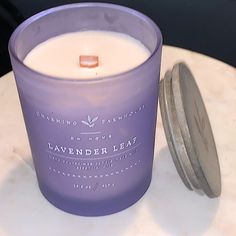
(90, 122)
(200, 122)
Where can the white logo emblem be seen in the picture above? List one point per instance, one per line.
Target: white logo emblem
(90, 122)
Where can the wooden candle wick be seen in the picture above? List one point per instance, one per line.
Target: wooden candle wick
(88, 61)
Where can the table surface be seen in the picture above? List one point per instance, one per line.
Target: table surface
(167, 208)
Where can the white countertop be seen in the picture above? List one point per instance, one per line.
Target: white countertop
(167, 208)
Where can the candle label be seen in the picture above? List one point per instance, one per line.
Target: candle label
(93, 153)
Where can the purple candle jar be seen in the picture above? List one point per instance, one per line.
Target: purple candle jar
(92, 141)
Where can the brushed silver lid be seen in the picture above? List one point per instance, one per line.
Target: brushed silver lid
(188, 132)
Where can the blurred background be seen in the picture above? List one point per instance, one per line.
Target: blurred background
(205, 26)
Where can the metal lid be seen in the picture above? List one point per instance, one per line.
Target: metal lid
(188, 132)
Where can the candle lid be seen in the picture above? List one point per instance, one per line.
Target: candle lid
(188, 132)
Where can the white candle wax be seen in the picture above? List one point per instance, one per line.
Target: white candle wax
(59, 56)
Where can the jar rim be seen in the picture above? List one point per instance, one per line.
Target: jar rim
(44, 13)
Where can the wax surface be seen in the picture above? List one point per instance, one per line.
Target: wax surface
(59, 56)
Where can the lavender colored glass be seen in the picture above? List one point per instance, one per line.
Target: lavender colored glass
(92, 141)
